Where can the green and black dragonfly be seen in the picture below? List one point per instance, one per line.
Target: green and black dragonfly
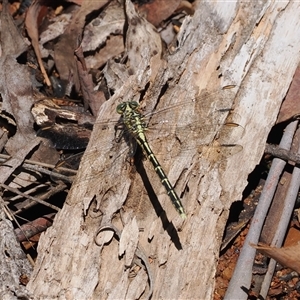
(133, 122)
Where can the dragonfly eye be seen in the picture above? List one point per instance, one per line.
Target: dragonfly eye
(133, 104)
(121, 108)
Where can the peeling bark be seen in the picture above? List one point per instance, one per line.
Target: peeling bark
(15, 266)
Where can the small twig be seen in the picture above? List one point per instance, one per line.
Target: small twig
(40, 167)
(53, 191)
(282, 153)
(14, 162)
(11, 217)
(28, 192)
(16, 191)
(33, 162)
(48, 172)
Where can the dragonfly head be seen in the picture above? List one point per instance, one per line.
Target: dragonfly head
(128, 105)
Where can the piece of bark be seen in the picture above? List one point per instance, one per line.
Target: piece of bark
(282, 153)
(16, 93)
(91, 98)
(220, 51)
(30, 229)
(68, 42)
(14, 263)
(291, 106)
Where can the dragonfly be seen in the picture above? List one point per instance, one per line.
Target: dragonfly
(133, 123)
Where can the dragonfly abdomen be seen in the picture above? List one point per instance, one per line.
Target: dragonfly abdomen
(162, 176)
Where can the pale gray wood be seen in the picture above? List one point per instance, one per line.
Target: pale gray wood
(252, 46)
(13, 263)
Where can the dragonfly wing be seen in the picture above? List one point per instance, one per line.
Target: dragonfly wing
(199, 122)
(217, 152)
(221, 139)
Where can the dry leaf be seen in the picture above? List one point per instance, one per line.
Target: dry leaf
(159, 10)
(291, 105)
(91, 98)
(16, 93)
(70, 41)
(31, 23)
(286, 256)
(139, 33)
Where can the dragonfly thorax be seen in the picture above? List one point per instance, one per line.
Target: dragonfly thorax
(131, 117)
